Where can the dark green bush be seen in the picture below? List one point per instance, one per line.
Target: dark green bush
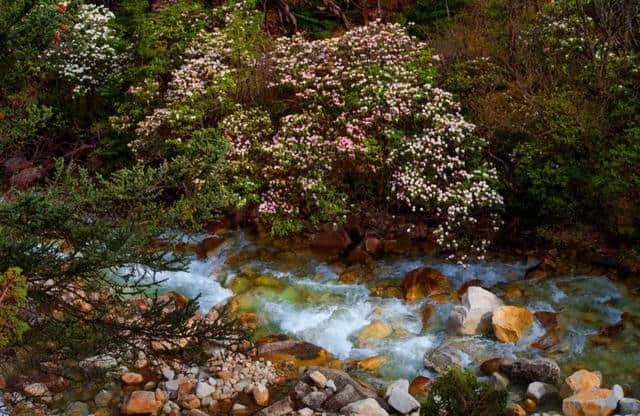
(459, 393)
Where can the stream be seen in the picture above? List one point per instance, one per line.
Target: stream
(300, 294)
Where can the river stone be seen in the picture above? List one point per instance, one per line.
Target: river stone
(339, 400)
(331, 240)
(527, 371)
(629, 406)
(36, 390)
(579, 381)
(301, 389)
(403, 385)
(98, 362)
(341, 379)
(77, 409)
(306, 412)
(376, 330)
(366, 407)
(441, 359)
(141, 402)
(510, 323)
(600, 402)
(318, 378)
(314, 399)
(280, 408)
(542, 392)
(474, 316)
(103, 398)
(422, 282)
(204, 389)
(402, 401)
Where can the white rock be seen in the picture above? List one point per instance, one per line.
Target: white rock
(474, 316)
(168, 373)
(36, 390)
(332, 385)
(541, 392)
(366, 407)
(204, 389)
(305, 412)
(402, 401)
(403, 385)
(500, 382)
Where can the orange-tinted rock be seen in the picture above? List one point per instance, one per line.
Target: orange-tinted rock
(548, 340)
(132, 378)
(580, 381)
(141, 402)
(600, 402)
(547, 319)
(207, 246)
(376, 330)
(518, 411)
(493, 365)
(218, 227)
(372, 245)
(358, 255)
(190, 401)
(423, 282)
(529, 405)
(260, 395)
(331, 240)
(372, 363)
(425, 314)
(420, 386)
(510, 323)
(184, 388)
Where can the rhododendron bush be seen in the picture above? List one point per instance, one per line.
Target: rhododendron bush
(362, 120)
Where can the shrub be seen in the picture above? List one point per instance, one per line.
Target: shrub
(13, 294)
(459, 393)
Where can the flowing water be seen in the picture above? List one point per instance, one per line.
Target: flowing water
(299, 294)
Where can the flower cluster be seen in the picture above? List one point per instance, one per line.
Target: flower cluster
(86, 53)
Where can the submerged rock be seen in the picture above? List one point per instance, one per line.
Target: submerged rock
(441, 359)
(375, 331)
(474, 316)
(510, 323)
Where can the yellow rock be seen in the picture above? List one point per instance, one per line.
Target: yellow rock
(600, 402)
(510, 323)
(372, 363)
(423, 282)
(376, 330)
(580, 381)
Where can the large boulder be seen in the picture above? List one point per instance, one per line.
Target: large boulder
(527, 371)
(141, 402)
(600, 402)
(510, 323)
(474, 316)
(366, 407)
(400, 400)
(580, 381)
(422, 282)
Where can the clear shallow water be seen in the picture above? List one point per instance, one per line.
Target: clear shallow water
(299, 294)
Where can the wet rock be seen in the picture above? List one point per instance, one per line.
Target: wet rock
(103, 398)
(548, 320)
(420, 386)
(527, 371)
(542, 392)
(400, 400)
(423, 282)
(529, 405)
(372, 363)
(580, 381)
(280, 408)
(628, 406)
(260, 395)
(300, 353)
(358, 255)
(474, 316)
(331, 240)
(517, 410)
(441, 359)
(132, 378)
(540, 269)
(141, 402)
(600, 402)
(548, 340)
(356, 274)
(510, 323)
(208, 246)
(375, 331)
(77, 409)
(366, 407)
(372, 245)
(493, 365)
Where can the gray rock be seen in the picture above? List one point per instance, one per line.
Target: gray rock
(332, 385)
(339, 400)
(628, 406)
(204, 389)
(168, 373)
(314, 400)
(618, 392)
(77, 409)
(542, 392)
(403, 385)
(301, 389)
(474, 316)
(402, 401)
(366, 407)
(441, 359)
(527, 371)
(99, 362)
(103, 398)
